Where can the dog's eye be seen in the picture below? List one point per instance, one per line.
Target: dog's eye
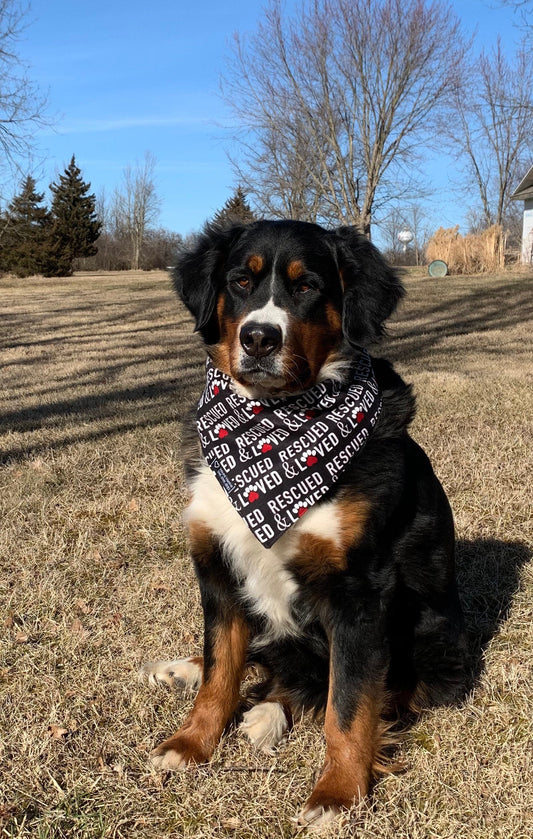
(242, 282)
(301, 288)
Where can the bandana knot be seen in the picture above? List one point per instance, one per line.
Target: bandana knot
(275, 458)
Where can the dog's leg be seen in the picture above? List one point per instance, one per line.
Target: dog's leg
(225, 645)
(215, 702)
(353, 725)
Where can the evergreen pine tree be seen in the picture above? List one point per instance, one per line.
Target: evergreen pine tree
(236, 209)
(25, 230)
(74, 225)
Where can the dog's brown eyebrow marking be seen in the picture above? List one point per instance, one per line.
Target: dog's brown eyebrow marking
(255, 263)
(295, 269)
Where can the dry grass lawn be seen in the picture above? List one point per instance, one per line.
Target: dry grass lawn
(96, 373)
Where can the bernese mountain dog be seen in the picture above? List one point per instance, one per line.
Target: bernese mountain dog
(351, 609)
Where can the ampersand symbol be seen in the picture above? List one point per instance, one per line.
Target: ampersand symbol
(344, 429)
(290, 472)
(281, 522)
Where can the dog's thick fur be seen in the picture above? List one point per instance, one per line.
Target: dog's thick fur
(354, 611)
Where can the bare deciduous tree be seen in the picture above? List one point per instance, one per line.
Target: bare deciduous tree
(159, 245)
(334, 102)
(493, 131)
(22, 105)
(136, 205)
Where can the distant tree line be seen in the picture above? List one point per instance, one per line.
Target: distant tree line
(130, 237)
(80, 231)
(35, 239)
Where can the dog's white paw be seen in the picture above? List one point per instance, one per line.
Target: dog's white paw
(265, 725)
(317, 820)
(169, 761)
(183, 673)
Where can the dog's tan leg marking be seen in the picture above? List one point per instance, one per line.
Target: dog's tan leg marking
(215, 702)
(351, 752)
(265, 725)
(182, 673)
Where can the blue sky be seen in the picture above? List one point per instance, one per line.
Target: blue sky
(128, 77)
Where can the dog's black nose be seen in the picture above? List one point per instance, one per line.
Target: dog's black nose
(260, 339)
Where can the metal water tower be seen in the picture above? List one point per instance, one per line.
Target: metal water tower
(405, 237)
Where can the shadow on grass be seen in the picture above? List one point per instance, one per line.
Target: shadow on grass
(488, 576)
(474, 310)
(98, 414)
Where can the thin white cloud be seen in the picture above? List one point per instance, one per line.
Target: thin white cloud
(90, 126)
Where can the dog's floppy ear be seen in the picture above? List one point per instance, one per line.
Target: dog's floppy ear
(198, 275)
(372, 289)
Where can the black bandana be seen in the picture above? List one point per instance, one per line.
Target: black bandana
(275, 458)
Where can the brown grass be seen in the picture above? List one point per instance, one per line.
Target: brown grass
(468, 254)
(96, 372)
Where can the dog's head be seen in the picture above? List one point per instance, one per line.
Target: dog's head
(279, 303)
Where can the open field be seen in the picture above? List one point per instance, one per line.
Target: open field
(96, 372)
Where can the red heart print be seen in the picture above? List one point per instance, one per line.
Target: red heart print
(216, 390)
(257, 409)
(223, 433)
(266, 448)
(310, 414)
(253, 496)
(311, 460)
(301, 511)
(359, 416)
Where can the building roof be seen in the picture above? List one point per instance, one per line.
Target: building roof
(525, 188)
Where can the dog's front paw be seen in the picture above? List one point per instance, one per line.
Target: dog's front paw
(265, 725)
(169, 760)
(183, 673)
(317, 818)
(177, 753)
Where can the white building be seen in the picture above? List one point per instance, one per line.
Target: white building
(524, 192)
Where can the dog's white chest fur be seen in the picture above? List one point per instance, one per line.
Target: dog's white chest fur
(267, 585)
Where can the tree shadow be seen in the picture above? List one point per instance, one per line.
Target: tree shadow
(421, 329)
(149, 399)
(488, 577)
